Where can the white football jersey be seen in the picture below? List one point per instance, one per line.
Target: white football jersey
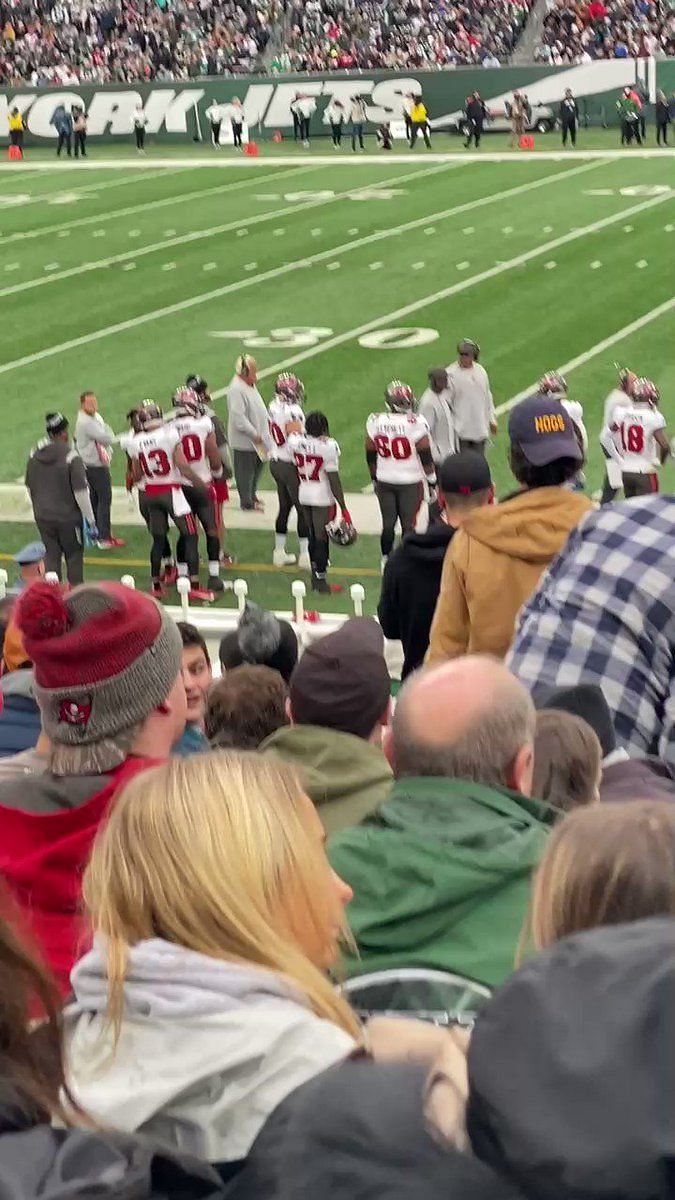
(633, 427)
(154, 450)
(396, 437)
(193, 433)
(281, 414)
(314, 458)
(576, 412)
(124, 446)
(616, 396)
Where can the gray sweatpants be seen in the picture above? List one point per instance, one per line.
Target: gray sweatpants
(247, 468)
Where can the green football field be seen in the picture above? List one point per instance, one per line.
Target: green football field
(352, 272)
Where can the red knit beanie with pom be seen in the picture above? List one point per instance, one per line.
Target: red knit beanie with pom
(104, 657)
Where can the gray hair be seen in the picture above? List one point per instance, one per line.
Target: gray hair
(485, 751)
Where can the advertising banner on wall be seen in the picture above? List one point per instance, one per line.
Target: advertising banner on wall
(178, 111)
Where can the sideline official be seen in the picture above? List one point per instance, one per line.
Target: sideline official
(247, 431)
(569, 117)
(470, 398)
(57, 483)
(475, 113)
(16, 128)
(93, 441)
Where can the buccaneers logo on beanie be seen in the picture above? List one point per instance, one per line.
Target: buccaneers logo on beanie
(104, 657)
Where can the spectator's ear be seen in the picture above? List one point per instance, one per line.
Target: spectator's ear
(289, 711)
(521, 770)
(388, 745)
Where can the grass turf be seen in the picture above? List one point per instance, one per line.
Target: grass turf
(124, 281)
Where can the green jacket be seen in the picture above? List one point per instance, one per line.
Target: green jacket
(441, 877)
(627, 109)
(346, 777)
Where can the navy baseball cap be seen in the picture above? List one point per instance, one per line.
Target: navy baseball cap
(464, 474)
(544, 431)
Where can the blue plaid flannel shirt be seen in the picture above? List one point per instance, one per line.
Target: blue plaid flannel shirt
(604, 613)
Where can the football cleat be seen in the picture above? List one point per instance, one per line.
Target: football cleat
(646, 391)
(552, 384)
(304, 562)
(187, 401)
(281, 559)
(197, 593)
(290, 388)
(215, 584)
(169, 575)
(399, 397)
(341, 532)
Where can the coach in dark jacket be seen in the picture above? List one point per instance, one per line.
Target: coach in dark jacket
(412, 576)
(569, 117)
(476, 113)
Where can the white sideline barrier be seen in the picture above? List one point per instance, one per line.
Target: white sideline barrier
(214, 623)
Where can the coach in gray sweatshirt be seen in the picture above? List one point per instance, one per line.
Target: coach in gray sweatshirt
(57, 483)
(93, 441)
(247, 431)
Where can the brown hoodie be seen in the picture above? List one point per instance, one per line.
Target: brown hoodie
(493, 565)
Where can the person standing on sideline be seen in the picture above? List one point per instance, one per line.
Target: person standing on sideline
(419, 121)
(16, 128)
(295, 113)
(516, 111)
(57, 483)
(214, 115)
(80, 130)
(569, 117)
(139, 121)
(93, 442)
(470, 398)
(435, 408)
(637, 440)
(358, 116)
(335, 115)
(286, 417)
(237, 119)
(662, 114)
(64, 128)
(306, 109)
(612, 482)
(629, 115)
(476, 113)
(412, 577)
(247, 431)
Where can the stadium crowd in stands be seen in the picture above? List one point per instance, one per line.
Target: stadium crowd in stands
(579, 32)
(324, 35)
(81, 42)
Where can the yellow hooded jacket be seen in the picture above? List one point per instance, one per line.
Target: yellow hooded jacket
(493, 565)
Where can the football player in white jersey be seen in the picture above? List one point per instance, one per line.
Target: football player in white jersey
(317, 457)
(169, 571)
(554, 384)
(611, 484)
(198, 440)
(286, 417)
(158, 460)
(398, 453)
(636, 438)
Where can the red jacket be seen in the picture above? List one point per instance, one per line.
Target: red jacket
(47, 827)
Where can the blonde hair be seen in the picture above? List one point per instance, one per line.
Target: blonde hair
(603, 865)
(214, 853)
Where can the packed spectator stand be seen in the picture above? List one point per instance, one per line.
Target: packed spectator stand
(582, 32)
(43, 43)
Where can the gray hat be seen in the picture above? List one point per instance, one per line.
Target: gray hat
(28, 555)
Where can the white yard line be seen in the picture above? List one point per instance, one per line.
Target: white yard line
(287, 268)
(166, 202)
(104, 185)
(599, 348)
(446, 293)
(197, 235)
(326, 160)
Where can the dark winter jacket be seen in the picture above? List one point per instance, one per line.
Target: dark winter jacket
(636, 779)
(20, 723)
(572, 1069)
(41, 1163)
(410, 587)
(357, 1132)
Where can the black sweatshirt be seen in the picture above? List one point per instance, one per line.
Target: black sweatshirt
(410, 587)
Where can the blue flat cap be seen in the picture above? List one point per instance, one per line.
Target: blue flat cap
(34, 552)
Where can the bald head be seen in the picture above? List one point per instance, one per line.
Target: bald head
(465, 719)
